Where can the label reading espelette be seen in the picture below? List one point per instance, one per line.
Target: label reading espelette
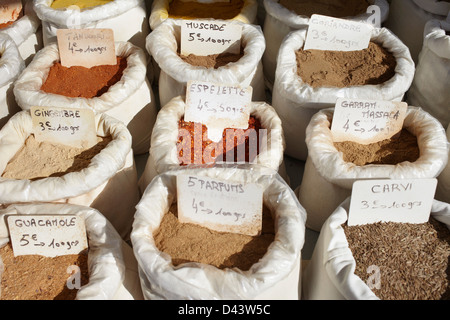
(220, 205)
(206, 37)
(327, 33)
(68, 126)
(366, 121)
(384, 200)
(10, 10)
(86, 47)
(47, 235)
(218, 106)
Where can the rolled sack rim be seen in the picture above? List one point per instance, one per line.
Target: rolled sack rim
(436, 39)
(11, 62)
(293, 88)
(329, 163)
(102, 167)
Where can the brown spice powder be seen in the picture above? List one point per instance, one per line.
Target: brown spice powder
(190, 10)
(35, 277)
(399, 148)
(83, 82)
(38, 160)
(211, 61)
(413, 259)
(186, 242)
(331, 8)
(320, 68)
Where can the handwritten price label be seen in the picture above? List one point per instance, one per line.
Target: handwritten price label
(10, 10)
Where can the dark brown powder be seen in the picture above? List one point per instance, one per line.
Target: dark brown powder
(371, 66)
(191, 10)
(331, 8)
(399, 148)
(413, 259)
(186, 242)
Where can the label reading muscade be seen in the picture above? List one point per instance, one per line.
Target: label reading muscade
(334, 34)
(47, 235)
(10, 10)
(220, 205)
(366, 121)
(384, 200)
(205, 37)
(86, 47)
(218, 106)
(69, 126)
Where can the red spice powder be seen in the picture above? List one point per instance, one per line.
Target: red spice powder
(14, 18)
(83, 82)
(200, 150)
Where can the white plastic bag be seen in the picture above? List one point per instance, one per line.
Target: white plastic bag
(163, 42)
(11, 65)
(130, 100)
(164, 154)
(329, 274)
(295, 101)
(275, 276)
(328, 179)
(430, 87)
(443, 187)
(105, 259)
(280, 21)
(127, 18)
(108, 184)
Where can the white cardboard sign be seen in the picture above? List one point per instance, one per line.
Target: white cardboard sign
(10, 10)
(220, 205)
(218, 106)
(69, 126)
(206, 37)
(401, 201)
(328, 33)
(47, 235)
(366, 121)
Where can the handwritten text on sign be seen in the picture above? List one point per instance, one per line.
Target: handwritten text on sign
(86, 47)
(327, 33)
(68, 126)
(366, 121)
(47, 235)
(218, 106)
(220, 205)
(10, 10)
(205, 37)
(401, 201)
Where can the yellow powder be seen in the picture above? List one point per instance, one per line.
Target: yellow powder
(83, 4)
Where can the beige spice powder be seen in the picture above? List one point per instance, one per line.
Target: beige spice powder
(211, 61)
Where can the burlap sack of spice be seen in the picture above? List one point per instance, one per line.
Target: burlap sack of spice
(164, 41)
(163, 155)
(295, 101)
(108, 184)
(329, 274)
(429, 89)
(160, 12)
(127, 18)
(12, 65)
(407, 19)
(443, 187)
(328, 179)
(130, 100)
(274, 277)
(26, 32)
(106, 262)
(280, 21)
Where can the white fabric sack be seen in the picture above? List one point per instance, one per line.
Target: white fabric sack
(280, 21)
(328, 179)
(443, 187)
(295, 101)
(105, 260)
(429, 89)
(275, 276)
(130, 100)
(329, 274)
(163, 42)
(108, 184)
(163, 154)
(26, 32)
(127, 18)
(11, 65)
(160, 12)
(407, 19)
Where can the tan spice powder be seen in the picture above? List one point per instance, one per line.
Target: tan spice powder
(186, 242)
(413, 259)
(331, 8)
(211, 61)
